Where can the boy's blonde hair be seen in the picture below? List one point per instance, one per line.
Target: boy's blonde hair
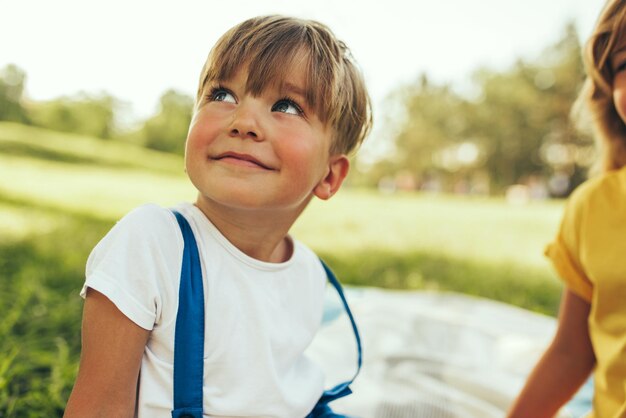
(269, 45)
(596, 95)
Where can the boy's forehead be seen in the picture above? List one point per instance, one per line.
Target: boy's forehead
(293, 80)
(297, 88)
(295, 72)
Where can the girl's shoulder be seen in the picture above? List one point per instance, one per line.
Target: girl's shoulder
(608, 187)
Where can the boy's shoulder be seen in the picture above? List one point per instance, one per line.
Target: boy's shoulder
(147, 212)
(148, 220)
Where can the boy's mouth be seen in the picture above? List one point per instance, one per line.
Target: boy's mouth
(241, 159)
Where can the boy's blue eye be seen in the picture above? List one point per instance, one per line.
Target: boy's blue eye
(219, 94)
(287, 106)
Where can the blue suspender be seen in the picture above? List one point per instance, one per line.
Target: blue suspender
(189, 334)
(343, 389)
(189, 337)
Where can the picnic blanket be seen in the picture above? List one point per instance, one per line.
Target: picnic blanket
(433, 355)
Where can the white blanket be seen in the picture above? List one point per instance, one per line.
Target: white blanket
(432, 355)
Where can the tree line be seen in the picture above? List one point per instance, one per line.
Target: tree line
(96, 115)
(509, 127)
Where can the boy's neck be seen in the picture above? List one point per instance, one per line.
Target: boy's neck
(260, 235)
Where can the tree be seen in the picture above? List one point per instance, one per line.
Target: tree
(433, 119)
(503, 129)
(432, 133)
(167, 130)
(526, 107)
(12, 82)
(83, 114)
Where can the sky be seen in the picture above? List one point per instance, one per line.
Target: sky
(137, 49)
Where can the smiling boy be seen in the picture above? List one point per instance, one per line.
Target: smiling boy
(257, 160)
(279, 108)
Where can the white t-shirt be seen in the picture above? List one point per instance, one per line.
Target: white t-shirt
(260, 316)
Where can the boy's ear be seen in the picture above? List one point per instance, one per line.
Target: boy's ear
(338, 167)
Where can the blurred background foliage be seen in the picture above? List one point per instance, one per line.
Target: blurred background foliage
(502, 128)
(457, 202)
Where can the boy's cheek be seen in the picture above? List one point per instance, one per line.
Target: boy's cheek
(199, 135)
(194, 118)
(195, 145)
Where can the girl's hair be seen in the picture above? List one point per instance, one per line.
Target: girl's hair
(596, 96)
(269, 45)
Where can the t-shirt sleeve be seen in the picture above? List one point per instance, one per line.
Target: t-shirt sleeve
(135, 266)
(566, 249)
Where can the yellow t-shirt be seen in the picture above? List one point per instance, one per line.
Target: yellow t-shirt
(589, 254)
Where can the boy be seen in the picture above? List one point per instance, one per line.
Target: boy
(279, 107)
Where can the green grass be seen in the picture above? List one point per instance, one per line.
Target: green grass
(482, 247)
(480, 229)
(60, 194)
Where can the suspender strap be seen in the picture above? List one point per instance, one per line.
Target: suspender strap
(189, 334)
(342, 389)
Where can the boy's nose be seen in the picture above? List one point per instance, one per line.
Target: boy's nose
(245, 124)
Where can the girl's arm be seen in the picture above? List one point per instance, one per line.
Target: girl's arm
(564, 366)
(112, 348)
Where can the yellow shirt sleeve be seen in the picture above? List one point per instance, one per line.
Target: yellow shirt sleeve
(565, 251)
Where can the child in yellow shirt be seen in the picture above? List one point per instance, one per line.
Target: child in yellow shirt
(589, 252)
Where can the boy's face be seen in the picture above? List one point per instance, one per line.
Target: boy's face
(268, 152)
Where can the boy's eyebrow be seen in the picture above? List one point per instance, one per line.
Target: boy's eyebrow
(295, 89)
